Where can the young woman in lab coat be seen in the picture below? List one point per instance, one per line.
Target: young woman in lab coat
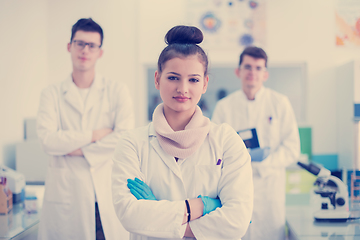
(182, 175)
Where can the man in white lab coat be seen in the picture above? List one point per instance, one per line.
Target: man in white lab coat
(271, 115)
(79, 123)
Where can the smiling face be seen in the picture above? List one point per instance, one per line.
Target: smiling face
(84, 60)
(252, 73)
(181, 84)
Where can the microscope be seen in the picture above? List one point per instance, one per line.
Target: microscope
(331, 187)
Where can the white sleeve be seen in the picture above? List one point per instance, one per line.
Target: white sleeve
(160, 219)
(103, 149)
(56, 141)
(235, 190)
(289, 148)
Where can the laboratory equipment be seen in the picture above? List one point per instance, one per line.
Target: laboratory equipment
(31, 159)
(6, 202)
(328, 186)
(348, 114)
(30, 203)
(16, 183)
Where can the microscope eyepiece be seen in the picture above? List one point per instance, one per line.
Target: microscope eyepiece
(312, 168)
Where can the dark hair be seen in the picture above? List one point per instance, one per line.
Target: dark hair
(182, 41)
(254, 52)
(87, 25)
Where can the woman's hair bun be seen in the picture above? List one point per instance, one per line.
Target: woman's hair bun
(184, 35)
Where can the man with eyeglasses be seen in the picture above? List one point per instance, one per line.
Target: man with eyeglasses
(79, 123)
(266, 122)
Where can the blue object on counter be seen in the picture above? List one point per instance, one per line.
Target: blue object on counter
(19, 197)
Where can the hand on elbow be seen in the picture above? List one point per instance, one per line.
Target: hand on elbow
(100, 133)
(140, 190)
(210, 204)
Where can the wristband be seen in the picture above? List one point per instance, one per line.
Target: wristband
(188, 210)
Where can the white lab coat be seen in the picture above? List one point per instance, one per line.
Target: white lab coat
(139, 154)
(65, 124)
(273, 117)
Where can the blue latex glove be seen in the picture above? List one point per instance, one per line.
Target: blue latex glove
(259, 154)
(140, 190)
(210, 204)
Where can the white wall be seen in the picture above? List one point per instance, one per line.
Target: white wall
(305, 31)
(35, 34)
(118, 20)
(23, 68)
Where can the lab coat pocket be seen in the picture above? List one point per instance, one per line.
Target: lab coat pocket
(207, 179)
(58, 185)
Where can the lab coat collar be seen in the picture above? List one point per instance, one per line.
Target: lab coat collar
(258, 95)
(167, 159)
(152, 132)
(72, 96)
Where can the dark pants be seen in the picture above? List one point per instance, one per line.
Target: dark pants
(99, 230)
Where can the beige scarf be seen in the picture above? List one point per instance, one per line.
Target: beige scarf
(183, 143)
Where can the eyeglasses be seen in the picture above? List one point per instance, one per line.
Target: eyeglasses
(257, 68)
(80, 45)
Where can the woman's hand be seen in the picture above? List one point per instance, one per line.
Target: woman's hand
(140, 190)
(210, 204)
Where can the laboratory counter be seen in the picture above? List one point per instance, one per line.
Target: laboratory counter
(302, 226)
(18, 224)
